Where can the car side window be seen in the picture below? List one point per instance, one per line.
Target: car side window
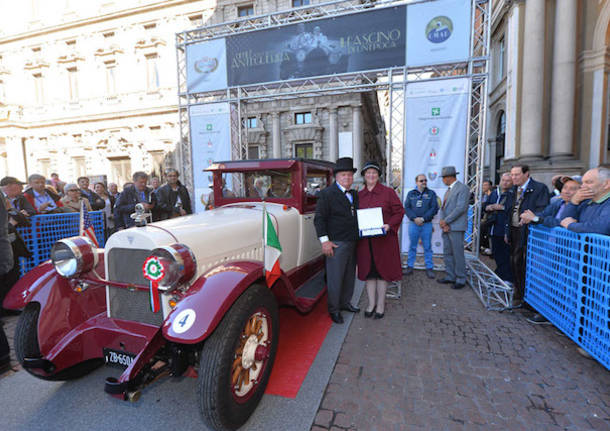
(314, 183)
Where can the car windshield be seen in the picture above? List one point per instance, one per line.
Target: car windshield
(257, 184)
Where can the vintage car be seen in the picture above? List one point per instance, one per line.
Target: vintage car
(216, 319)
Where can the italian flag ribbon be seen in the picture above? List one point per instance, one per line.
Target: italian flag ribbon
(153, 270)
(273, 250)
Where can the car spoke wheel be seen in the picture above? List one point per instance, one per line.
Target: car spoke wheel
(236, 360)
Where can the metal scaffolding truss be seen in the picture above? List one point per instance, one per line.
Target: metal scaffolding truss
(391, 81)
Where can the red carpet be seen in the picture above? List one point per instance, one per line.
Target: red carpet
(300, 339)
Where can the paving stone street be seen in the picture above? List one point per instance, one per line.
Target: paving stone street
(439, 361)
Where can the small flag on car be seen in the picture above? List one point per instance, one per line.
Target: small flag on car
(85, 226)
(272, 250)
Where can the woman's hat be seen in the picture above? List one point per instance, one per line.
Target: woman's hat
(373, 165)
(344, 164)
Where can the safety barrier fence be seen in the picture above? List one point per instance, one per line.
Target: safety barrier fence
(568, 282)
(45, 230)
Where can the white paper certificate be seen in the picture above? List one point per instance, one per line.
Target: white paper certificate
(370, 222)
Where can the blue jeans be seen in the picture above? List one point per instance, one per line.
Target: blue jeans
(425, 233)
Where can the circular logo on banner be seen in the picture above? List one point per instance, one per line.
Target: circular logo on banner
(439, 29)
(184, 320)
(206, 65)
(152, 269)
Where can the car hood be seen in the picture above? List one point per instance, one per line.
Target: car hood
(231, 232)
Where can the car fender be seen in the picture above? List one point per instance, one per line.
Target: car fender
(61, 307)
(208, 299)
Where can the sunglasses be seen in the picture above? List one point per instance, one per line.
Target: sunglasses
(422, 181)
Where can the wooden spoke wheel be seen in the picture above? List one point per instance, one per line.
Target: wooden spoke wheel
(236, 360)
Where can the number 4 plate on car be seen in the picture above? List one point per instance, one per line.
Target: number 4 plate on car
(117, 357)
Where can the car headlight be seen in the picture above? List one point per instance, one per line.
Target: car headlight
(178, 263)
(74, 256)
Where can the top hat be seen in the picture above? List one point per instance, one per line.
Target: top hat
(369, 165)
(448, 171)
(9, 180)
(344, 164)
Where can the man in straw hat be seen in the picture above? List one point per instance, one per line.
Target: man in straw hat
(337, 229)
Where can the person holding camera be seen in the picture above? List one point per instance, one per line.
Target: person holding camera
(132, 195)
(173, 198)
(495, 220)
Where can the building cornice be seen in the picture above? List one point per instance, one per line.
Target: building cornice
(160, 5)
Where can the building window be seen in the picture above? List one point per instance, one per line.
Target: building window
(245, 10)
(251, 123)
(73, 84)
(110, 78)
(80, 170)
(299, 3)
(196, 20)
(253, 152)
(501, 59)
(45, 167)
(152, 72)
(304, 151)
(120, 170)
(302, 118)
(38, 88)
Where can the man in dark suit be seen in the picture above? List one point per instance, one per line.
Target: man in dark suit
(337, 229)
(132, 195)
(528, 195)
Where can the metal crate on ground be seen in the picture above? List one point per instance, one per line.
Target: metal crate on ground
(45, 230)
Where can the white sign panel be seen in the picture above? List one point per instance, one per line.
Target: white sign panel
(438, 32)
(435, 132)
(345, 144)
(210, 142)
(206, 64)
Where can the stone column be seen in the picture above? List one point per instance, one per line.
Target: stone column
(513, 81)
(333, 129)
(275, 129)
(533, 80)
(15, 158)
(357, 136)
(564, 79)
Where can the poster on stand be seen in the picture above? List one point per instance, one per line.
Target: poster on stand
(435, 136)
(438, 32)
(210, 142)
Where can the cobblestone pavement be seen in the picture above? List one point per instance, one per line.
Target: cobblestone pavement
(439, 361)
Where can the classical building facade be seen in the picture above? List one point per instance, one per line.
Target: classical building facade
(548, 93)
(90, 88)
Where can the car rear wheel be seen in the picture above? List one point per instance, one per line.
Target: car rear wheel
(237, 358)
(26, 346)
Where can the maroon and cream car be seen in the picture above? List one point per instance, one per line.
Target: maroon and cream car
(216, 316)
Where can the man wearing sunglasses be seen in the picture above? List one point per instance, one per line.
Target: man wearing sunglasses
(421, 205)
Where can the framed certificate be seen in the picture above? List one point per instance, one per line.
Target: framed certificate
(370, 222)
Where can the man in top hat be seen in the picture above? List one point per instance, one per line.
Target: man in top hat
(337, 229)
(454, 221)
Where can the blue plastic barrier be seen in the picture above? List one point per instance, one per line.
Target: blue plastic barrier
(47, 229)
(568, 282)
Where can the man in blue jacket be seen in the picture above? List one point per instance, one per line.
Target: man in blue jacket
(421, 205)
(555, 211)
(589, 208)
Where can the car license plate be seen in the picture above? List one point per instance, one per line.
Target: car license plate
(116, 357)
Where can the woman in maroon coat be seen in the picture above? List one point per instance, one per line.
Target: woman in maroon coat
(379, 257)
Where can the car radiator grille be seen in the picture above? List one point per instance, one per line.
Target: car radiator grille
(125, 265)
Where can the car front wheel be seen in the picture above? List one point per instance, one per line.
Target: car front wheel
(237, 358)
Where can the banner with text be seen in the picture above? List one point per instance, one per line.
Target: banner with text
(438, 32)
(373, 39)
(210, 127)
(435, 136)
